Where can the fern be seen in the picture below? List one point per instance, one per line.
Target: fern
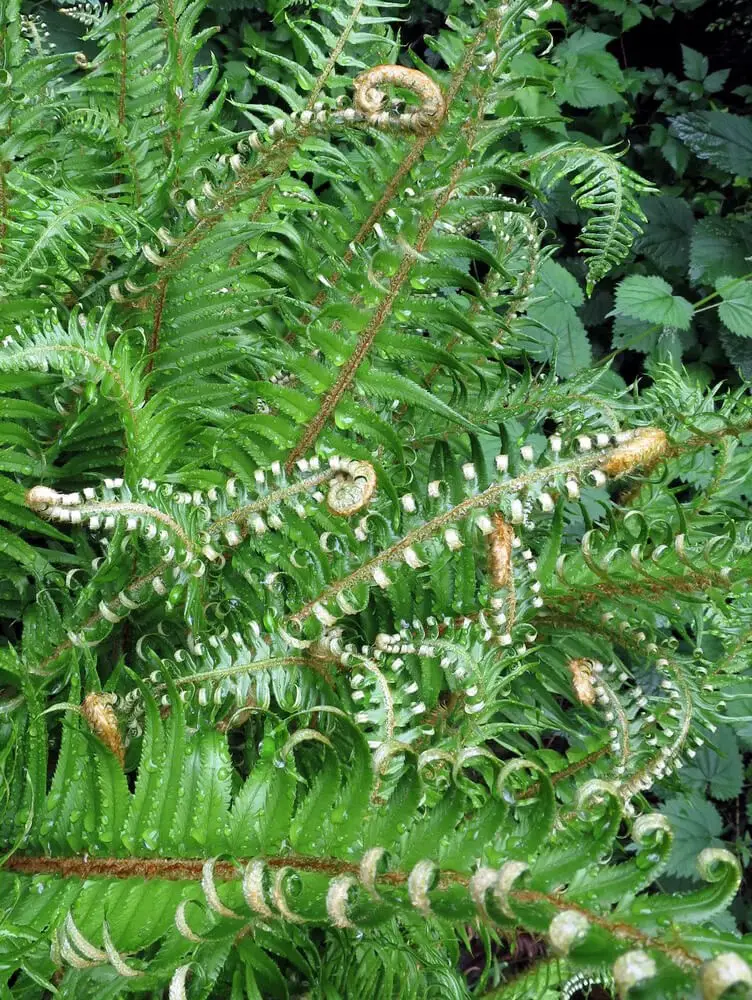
(605, 187)
(338, 641)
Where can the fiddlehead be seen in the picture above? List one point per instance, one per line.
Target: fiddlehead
(371, 101)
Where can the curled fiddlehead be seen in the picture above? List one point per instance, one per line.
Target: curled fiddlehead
(352, 487)
(370, 100)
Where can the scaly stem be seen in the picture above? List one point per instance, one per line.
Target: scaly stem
(190, 869)
(335, 54)
(239, 668)
(156, 324)
(31, 354)
(489, 498)
(349, 369)
(115, 605)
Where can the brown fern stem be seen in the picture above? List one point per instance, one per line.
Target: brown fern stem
(347, 374)
(625, 932)
(190, 869)
(488, 499)
(335, 54)
(690, 583)
(115, 604)
(236, 192)
(123, 93)
(317, 88)
(3, 204)
(349, 369)
(171, 26)
(263, 204)
(566, 772)
(412, 157)
(157, 324)
(416, 151)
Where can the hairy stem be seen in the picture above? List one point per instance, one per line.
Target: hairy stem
(190, 869)
(115, 605)
(349, 369)
(488, 498)
(157, 323)
(335, 54)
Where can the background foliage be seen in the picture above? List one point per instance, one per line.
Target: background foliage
(620, 72)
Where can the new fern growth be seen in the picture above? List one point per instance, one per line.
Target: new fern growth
(335, 636)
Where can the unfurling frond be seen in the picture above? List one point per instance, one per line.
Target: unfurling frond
(605, 187)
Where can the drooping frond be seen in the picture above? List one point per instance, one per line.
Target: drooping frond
(604, 187)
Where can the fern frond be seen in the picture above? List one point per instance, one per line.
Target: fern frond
(604, 187)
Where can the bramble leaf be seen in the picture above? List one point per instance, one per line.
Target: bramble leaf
(719, 766)
(697, 824)
(722, 138)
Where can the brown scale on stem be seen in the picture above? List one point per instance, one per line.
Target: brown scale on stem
(98, 712)
(644, 449)
(500, 552)
(433, 111)
(582, 680)
(500, 544)
(415, 153)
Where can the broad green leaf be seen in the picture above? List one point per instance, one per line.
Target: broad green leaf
(201, 812)
(666, 344)
(583, 89)
(652, 300)
(558, 281)
(736, 308)
(428, 833)
(113, 797)
(695, 64)
(739, 351)
(719, 766)
(591, 77)
(164, 802)
(554, 330)
(720, 246)
(667, 233)
(152, 754)
(139, 911)
(261, 971)
(714, 82)
(16, 548)
(697, 824)
(722, 138)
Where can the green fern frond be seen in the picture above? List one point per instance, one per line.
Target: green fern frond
(604, 187)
